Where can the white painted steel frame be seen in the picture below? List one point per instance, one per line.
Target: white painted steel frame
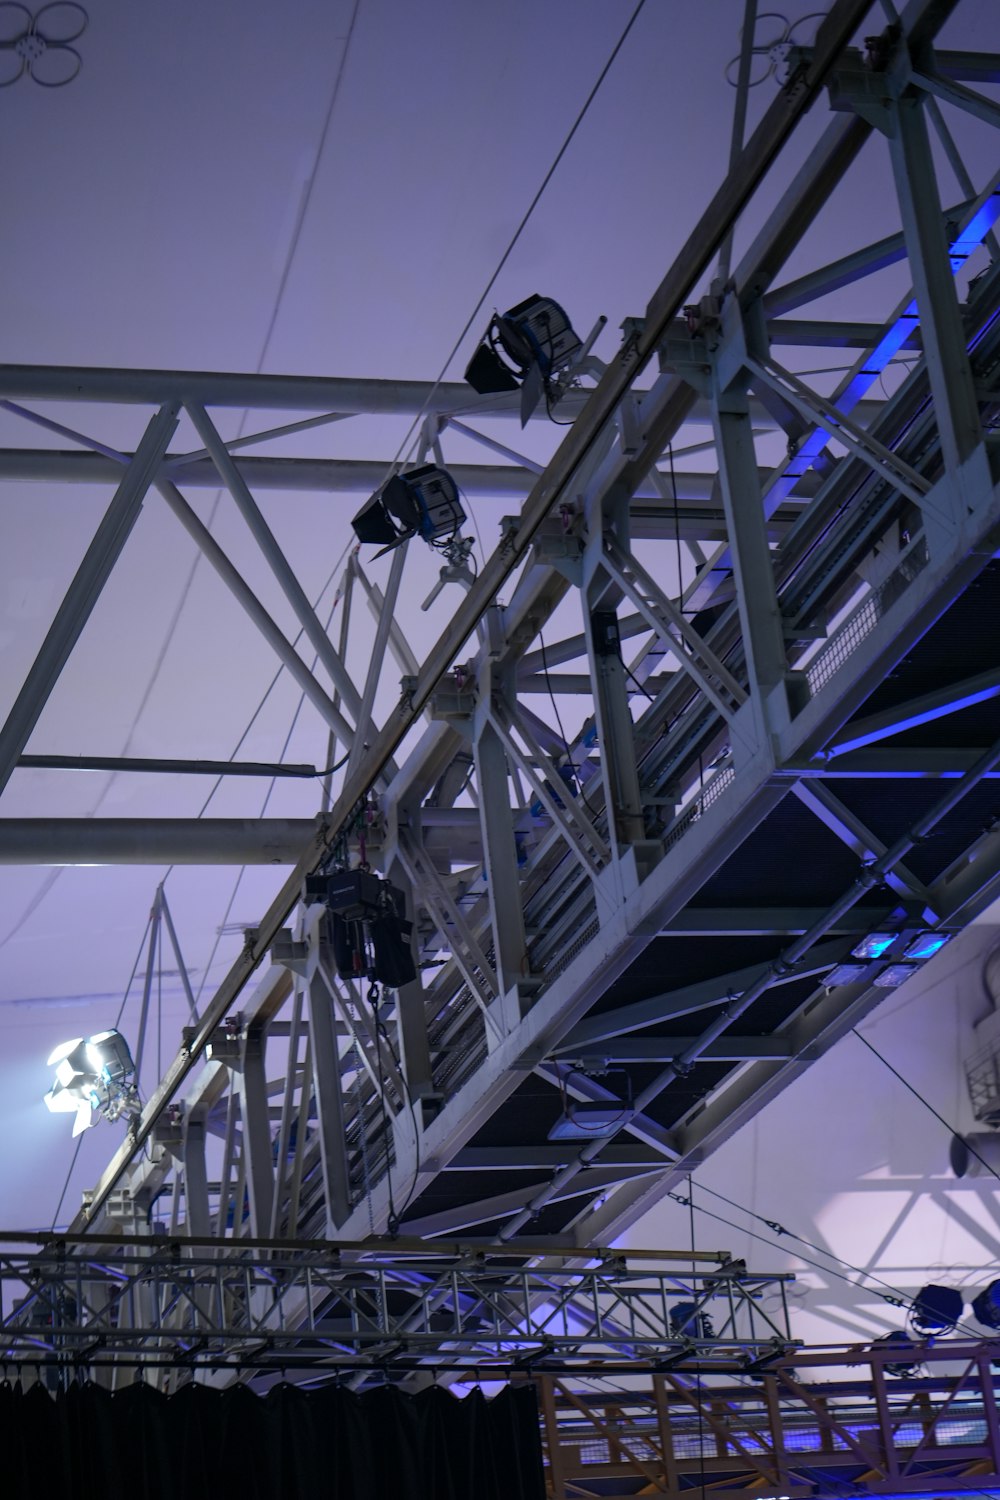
(574, 895)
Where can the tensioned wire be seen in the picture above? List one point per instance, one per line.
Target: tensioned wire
(525, 218)
(407, 444)
(215, 787)
(50, 880)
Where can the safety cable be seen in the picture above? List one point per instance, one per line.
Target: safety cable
(925, 1102)
(894, 1298)
(697, 1378)
(418, 419)
(562, 732)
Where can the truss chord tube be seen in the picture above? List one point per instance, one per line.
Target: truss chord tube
(868, 878)
(760, 152)
(245, 596)
(85, 589)
(278, 563)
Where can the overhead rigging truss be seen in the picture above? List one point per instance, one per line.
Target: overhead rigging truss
(364, 1311)
(711, 701)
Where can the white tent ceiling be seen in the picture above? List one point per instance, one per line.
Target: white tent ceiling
(327, 188)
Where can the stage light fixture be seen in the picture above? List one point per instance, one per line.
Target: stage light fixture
(925, 945)
(369, 929)
(587, 1122)
(525, 348)
(874, 944)
(897, 1340)
(936, 1310)
(422, 502)
(892, 975)
(93, 1076)
(688, 1321)
(986, 1306)
(845, 974)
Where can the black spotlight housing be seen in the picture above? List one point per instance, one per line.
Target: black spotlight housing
(986, 1306)
(423, 502)
(901, 1343)
(936, 1310)
(524, 348)
(368, 925)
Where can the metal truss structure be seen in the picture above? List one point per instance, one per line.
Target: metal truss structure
(802, 1429)
(649, 917)
(379, 1313)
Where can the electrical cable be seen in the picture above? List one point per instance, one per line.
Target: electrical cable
(50, 879)
(65, 1186)
(562, 732)
(267, 796)
(567, 142)
(697, 1378)
(640, 685)
(413, 1113)
(677, 529)
(925, 1102)
(392, 1218)
(896, 1299)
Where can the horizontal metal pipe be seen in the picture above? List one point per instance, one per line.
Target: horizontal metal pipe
(154, 841)
(160, 767)
(302, 393)
(345, 476)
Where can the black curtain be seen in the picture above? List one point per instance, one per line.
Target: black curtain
(137, 1444)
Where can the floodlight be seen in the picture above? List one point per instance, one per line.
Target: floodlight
(874, 945)
(925, 945)
(936, 1310)
(894, 974)
(688, 1321)
(526, 348)
(845, 974)
(93, 1074)
(587, 1122)
(898, 1340)
(422, 502)
(986, 1306)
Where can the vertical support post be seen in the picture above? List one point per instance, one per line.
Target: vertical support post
(550, 1424)
(147, 987)
(83, 593)
(777, 1431)
(411, 1019)
(382, 633)
(666, 1434)
(329, 1104)
(251, 1084)
(181, 966)
(195, 1177)
(500, 858)
(948, 367)
(988, 1392)
(614, 729)
(887, 1438)
(757, 600)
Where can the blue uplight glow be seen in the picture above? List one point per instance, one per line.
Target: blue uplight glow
(925, 945)
(874, 945)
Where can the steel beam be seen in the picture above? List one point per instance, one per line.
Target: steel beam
(948, 368)
(85, 589)
(916, 711)
(155, 841)
(589, 1034)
